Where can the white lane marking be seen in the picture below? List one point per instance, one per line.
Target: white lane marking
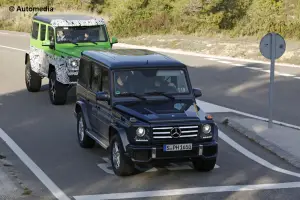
(13, 48)
(284, 74)
(58, 193)
(173, 167)
(225, 62)
(13, 34)
(268, 71)
(190, 53)
(239, 65)
(212, 108)
(187, 191)
(297, 77)
(213, 59)
(254, 157)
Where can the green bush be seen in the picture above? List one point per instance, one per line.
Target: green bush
(202, 17)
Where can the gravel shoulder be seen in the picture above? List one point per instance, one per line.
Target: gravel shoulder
(246, 47)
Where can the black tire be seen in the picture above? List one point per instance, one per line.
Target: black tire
(204, 165)
(126, 166)
(84, 140)
(32, 80)
(58, 92)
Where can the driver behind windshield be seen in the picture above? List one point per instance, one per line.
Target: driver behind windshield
(121, 85)
(86, 36)
(61, 36)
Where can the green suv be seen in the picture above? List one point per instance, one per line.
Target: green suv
(56, 44)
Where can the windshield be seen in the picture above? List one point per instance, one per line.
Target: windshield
(153, 81)
(81, 34)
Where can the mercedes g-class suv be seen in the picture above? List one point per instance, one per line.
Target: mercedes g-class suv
(141, 106)
(55, 46)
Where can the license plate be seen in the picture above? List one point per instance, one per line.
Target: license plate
(178, 147)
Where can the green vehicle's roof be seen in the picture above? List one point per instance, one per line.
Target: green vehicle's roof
(69, 20)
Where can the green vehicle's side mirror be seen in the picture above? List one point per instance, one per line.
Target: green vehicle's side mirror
(48, 43)
(114, 40)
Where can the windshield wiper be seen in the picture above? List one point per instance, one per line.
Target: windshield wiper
(134, 95)
(71, 42)
(91, 41)
(160, 93)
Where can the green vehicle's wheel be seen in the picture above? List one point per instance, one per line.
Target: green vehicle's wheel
(33, 80)
(57, 91)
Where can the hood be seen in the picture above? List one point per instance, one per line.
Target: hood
(76, 50)
(177, 111)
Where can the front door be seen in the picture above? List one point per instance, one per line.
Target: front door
(104, 106)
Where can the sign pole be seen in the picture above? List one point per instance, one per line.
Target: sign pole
(272, 46)
(272, 74)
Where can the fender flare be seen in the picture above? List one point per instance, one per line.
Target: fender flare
(122, 133)
(26, 58)
(81, 105)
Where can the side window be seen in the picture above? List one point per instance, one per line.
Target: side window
(35, 30)
(105, 81)
(84, 73)
(43, 32)
(96, 78)
(50, 34)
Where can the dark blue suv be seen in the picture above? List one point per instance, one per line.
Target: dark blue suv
(141, 106)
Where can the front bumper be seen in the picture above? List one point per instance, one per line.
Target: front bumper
(147, 154)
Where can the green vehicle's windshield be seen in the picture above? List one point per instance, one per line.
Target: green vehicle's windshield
(81, 34)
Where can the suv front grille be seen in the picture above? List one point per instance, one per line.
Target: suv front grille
(165, 132)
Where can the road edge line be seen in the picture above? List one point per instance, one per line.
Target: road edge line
(254, 157)
(7, 47)
(52, 187)
(273, 148)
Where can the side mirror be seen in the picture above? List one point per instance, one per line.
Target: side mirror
(114, 40)
(102, 96)
(48, 43)
(197, 92)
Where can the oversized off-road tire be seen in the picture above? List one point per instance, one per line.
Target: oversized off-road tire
(121, 164)
(204, 165)
(85, 141)
(58, 92)
(33, 80)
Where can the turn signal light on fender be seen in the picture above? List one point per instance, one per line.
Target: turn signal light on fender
(208, 117)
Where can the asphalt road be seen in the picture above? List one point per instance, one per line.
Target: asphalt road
(47, 134)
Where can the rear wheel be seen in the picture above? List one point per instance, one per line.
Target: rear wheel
(57, 91)
(33, 80)
(204, 165)
(121, 164)
(84, 140)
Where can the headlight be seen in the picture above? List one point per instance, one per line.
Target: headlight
(206, 128)
(140, 132)
(74, 63)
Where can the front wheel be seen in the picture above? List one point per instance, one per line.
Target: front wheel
(57, 91)
(204, 165)
(33, 80)
(121, 164)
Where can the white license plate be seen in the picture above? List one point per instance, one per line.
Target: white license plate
(178, 147)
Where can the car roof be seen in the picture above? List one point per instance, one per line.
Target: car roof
(69, 20)
(131, 58)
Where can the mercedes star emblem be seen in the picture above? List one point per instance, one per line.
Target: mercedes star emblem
(175, 132)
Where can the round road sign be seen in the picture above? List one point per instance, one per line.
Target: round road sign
(266, 46)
